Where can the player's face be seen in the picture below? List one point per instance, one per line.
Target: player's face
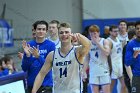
(114, 32)
(65, 34)
(41, 31)
(94, 34)
(53, 30)
(122, 26)
(138, 31)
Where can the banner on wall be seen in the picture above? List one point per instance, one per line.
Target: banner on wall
(6, 36)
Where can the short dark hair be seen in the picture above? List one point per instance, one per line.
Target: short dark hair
(131, 23)
(123, 21)
(7, 58)
(137, 23)
(40, 22)
(112, 27)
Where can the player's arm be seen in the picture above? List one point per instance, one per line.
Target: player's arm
(84, 47)
(44, 70)
(86, 62)
(130, 55)
(85, 67)
(110, 44)
(129, 72)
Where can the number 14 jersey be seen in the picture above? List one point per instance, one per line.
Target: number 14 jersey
(66, 72)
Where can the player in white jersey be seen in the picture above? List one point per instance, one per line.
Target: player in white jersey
(116, 59)
(66, 72)
(123, 35)
(53, 33)
(99, 74)
(65, 62)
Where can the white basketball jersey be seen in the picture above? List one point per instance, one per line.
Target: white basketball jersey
(116, 58)
(57, 42)
(66, 72)
(116, 51)
(123, 38)
(98, 61)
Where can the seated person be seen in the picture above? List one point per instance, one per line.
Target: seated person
(8, 65)
(3, 71)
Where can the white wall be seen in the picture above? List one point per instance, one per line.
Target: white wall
(93, 9)
(25, 12)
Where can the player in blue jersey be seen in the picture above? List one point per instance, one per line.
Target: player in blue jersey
(97, 59)
(132, 58)
(35, 52)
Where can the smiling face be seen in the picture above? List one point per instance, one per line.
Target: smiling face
(123, 26)
(64, 34)
(41, 31)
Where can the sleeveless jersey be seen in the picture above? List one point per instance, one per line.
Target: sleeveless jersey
(116, 57)
(116, 51)
(66, 72)
(123, 38)
(98, 61)
(57, 42)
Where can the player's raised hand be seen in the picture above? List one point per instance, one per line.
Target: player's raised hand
(35, 51)
(75, 37)
(136, 52)
(26, 48)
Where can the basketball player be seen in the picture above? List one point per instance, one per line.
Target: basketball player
(99, 74)
(116, 59)
(53, 33)
(65, 62)
(123, 35)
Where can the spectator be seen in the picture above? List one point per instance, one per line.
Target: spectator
(106, 32)
(116, 59)
(132, 58)
(35, 52)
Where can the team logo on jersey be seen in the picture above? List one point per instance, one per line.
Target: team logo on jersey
(93, 49)
(119, 50)
(136, 48)
(43, 51)
(65, 63)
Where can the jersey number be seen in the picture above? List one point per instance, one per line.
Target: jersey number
(96, 54)
(63, 72)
